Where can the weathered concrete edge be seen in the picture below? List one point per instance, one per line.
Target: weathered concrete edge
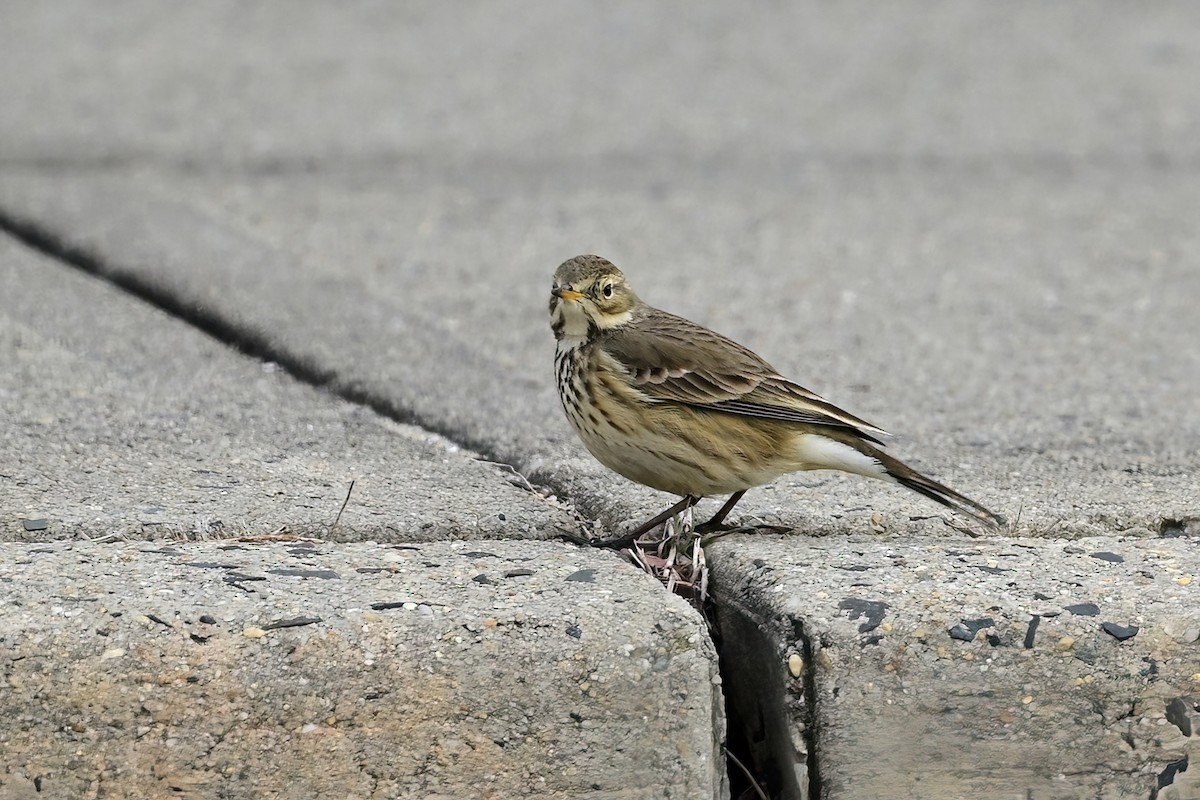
(786, 667)
(178, 631)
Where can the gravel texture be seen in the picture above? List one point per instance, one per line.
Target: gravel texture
(1054, 669)
(971, 224)
(121, 421)
(246, 669)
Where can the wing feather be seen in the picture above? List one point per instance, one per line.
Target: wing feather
(672, 359)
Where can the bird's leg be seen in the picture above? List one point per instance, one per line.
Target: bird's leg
(715, 524)
(627, 539)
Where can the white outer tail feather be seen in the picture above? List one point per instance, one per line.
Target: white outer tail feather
(821, 452)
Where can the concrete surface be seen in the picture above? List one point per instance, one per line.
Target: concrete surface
(121, 421)
(965, 364)
(972, 225)
(962, 669)
(440, 670)
(287, 86)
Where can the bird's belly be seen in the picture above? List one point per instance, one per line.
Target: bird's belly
(667, 446)
(666, 463)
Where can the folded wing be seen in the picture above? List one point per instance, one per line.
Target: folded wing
(672, 359)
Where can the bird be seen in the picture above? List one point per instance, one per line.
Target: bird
(672, 405)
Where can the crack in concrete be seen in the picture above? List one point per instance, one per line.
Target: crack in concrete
(249, 342)
(245, 340)
(454, 166)
(227, 332)
(811, 719)
(761, 696)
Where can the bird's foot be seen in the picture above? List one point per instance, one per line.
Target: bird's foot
(711, 533)
(714, 526)
(614, 542)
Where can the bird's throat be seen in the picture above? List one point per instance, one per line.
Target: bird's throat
(570, 321)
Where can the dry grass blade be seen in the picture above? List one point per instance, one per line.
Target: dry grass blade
(338, 518)
(675, 555)
(758, 790)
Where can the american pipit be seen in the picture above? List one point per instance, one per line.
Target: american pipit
(672, 405)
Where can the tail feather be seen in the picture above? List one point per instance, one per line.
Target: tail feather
(837, 449)
(909, 478)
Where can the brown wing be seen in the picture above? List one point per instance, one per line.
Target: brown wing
(672, 359)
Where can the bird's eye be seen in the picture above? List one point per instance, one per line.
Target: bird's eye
(608, 290)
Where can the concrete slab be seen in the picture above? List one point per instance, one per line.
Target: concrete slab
(925, 212)
(440, 670)
(290, 84)
(986, 669)
(956, 302)
(972, 226)
(120, 421)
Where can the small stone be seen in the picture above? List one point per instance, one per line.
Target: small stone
(254, 633)
(966, 630)
(1184, 580)
(1031, 632)
(489, 622)
(291, 622)
(582, 576)
(795, 665)
(1110, 557)
(1179, 714)
(1065, 643)
(1084, 609)
(1119, 632)
(112, 652)
(1184, 630)
(35, 524)
(1027, 699)
(1167, 776)
(871, 612)
(299, 572)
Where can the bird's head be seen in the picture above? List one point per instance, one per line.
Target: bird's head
(589, 295)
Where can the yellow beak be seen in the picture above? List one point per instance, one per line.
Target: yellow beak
(566, 294)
